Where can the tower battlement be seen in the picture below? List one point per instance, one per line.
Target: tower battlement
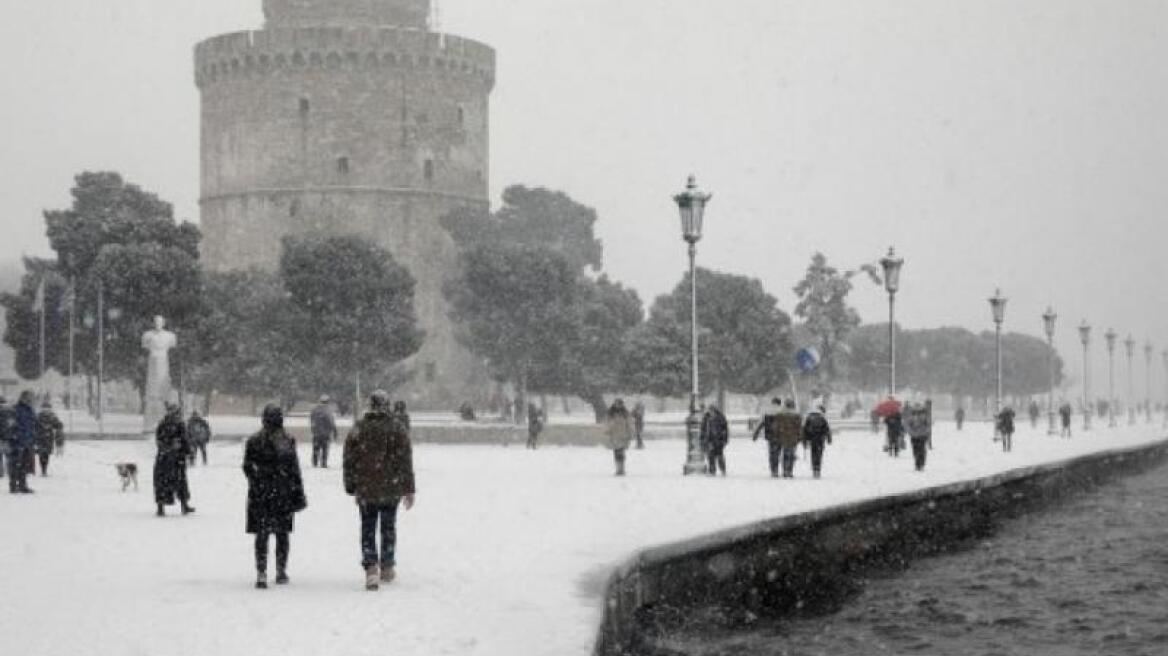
(256, 53)
(300, 13)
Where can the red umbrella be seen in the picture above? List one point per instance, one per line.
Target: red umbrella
(888, 407)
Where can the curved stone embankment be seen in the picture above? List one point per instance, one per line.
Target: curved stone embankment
(815, 561)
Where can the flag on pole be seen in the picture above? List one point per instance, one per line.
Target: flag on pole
(38, 302)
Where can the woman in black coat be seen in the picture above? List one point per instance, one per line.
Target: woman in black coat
(170, 465)
(275, 492)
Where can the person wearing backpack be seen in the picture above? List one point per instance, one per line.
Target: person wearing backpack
(817, 434)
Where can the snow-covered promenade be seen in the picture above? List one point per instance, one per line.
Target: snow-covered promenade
(506, 553)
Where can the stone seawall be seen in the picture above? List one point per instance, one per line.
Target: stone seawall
(815, 561)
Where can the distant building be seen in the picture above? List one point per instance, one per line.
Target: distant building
(349, 116)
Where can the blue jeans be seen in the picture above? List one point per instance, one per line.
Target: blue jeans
(371, 513)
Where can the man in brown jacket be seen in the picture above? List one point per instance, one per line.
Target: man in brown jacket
(379, 472)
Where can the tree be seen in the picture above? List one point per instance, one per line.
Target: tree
(514, 305)
(744, 338)
(118, 236)
(350, 310)
(22, 329)
(532, 217)
(823, 294)
(590, 353)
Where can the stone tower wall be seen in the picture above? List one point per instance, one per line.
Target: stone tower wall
(334, 130)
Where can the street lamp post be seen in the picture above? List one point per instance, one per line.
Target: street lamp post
(1111, 336)
(998, 305)
(1048, 320)
(892, 266)
(1148, 351)
(1085, 338)
(691, 204)
(1130, 345)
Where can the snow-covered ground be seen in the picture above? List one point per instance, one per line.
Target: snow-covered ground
(506, 553)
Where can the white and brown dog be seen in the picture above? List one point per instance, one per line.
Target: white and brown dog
(128, 472)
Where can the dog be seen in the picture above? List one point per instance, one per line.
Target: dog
(128, 472)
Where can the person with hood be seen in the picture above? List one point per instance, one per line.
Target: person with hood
(170, 465)
(21, 442)
(920, 431)
(49, 428)
(715, 434)
(275, 492)
(324, 431)
(768, 427)
(200, 434)
(619, 429)
(817, 434)
(378, 470)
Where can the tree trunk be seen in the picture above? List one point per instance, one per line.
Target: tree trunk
(599, 407)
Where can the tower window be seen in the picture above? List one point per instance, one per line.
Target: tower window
(343, 165)
(304, 107)
(428, 170)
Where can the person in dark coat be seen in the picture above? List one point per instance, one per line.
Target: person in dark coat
(21, 443)
(1035, 412)
(894, 424)
(7, 422)
(199, 432)
(1004, 423)
(920, 431)
(618, 428)
(49, 427)
(324, 431)
(170, 465)
(767, 428)
(960, 417)
(379, 471)
(714, 437)
(639, 424)
(402, 413)
(1065, 412)
(817, 434)
(534, 425)
(275, 492)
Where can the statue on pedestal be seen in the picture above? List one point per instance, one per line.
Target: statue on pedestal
(157, 343)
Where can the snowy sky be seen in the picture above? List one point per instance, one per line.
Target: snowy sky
(995, 142)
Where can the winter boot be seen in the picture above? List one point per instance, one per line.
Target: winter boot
(262, 581)
(161, 511)
(388, 574)
(371, 578)
(186, 510)
(281, 577)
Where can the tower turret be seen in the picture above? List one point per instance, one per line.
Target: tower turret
(349, 13)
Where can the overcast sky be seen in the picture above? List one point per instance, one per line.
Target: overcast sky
(1019, 143)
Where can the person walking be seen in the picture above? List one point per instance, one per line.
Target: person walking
(534, 426)
(1035, 412)
(960, 417)
(7, 423)
(1065, 413)
(619, 429)
(324, 431)
(48, 429)
(715, 435)
(402, 413)
(275, 492)
(21, 444)
(817, 434)
(768, 427)
(378, 470)
(789, 430)
(1005, 426)
(200, 435)
(170, 465)
(639, 424)
(920, 431)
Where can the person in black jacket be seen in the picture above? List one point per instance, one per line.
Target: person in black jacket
(817, 433)
(714, 436)
(275, 492)
(199, 433)
(170, 465)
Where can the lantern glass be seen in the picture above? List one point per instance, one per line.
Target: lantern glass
(892, 265)
(1049, 319)
(691, 204)
(998, 304)
(1085, 333)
